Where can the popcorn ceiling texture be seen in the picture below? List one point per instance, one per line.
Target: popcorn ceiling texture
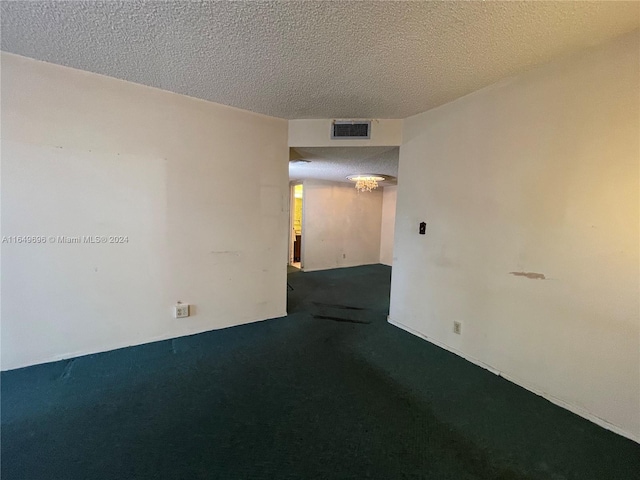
(311, 59)
(335, 163)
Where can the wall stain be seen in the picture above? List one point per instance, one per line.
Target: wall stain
(531, 275)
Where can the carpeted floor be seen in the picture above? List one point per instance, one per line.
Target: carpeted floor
(330, 392)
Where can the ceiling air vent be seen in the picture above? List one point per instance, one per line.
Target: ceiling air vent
(351, 129)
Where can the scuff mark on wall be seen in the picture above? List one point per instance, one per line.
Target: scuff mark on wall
(225, 256)
(531, 275)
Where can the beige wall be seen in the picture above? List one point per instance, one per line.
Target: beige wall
(200, 191)
(389, 195)
(341, 227)
(537, 174)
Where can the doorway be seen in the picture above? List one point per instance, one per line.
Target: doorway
(295, 245)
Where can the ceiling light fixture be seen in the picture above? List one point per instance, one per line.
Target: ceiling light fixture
(365, 182)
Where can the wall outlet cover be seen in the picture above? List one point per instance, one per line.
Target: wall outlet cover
(181, 310)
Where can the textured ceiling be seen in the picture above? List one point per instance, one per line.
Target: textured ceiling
(335, 163)
(311, 59)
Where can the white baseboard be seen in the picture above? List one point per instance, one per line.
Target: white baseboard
(561, 403)
(133, 343)
(336, 267)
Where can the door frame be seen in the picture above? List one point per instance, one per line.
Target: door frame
(292, 203)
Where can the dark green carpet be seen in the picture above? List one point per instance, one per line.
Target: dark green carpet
(332, 391)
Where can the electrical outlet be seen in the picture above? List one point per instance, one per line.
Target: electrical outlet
(457, 328)
(181, 310)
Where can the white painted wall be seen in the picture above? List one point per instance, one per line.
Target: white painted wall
(317, 133)
(340, 227)
(538, 173)
(199, 189)
(389, 195)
